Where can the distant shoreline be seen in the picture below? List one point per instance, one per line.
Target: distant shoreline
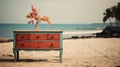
(80, 34)
(4, 40)
(79, 28)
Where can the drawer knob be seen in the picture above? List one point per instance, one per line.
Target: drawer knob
(51, 45)
(22, 37)
(22, 45)
(52, 37)
(37, 37)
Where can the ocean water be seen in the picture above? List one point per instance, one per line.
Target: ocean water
(6, 30)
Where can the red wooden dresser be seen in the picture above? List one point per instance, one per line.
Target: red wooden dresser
(37, 40)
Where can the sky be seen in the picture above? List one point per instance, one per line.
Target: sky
(59, 11)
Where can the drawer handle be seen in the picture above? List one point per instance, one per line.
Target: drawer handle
(51, 37)
(51, 45)
(37, 37)
(22, 45)
(22, 37)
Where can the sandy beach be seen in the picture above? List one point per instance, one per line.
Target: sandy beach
(91, 52)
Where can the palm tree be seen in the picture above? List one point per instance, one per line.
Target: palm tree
(117, 14)
(107, 16)
(113, 12)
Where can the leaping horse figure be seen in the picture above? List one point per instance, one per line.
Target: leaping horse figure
(34, 15)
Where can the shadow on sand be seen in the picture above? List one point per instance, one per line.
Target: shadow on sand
(24, 60)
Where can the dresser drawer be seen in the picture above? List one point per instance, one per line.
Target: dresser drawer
(53, 36)
(38, 36)
(48, 44)
(23, 44)
(22, 36)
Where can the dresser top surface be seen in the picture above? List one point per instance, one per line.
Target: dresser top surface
(39, 31)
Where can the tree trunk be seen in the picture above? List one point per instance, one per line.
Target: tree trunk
(110, 22)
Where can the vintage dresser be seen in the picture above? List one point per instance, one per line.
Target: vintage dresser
(37, 40)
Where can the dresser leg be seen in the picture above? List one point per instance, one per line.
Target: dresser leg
(61, 51)
(17, 55)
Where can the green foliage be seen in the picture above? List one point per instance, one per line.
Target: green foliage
(112, 12)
